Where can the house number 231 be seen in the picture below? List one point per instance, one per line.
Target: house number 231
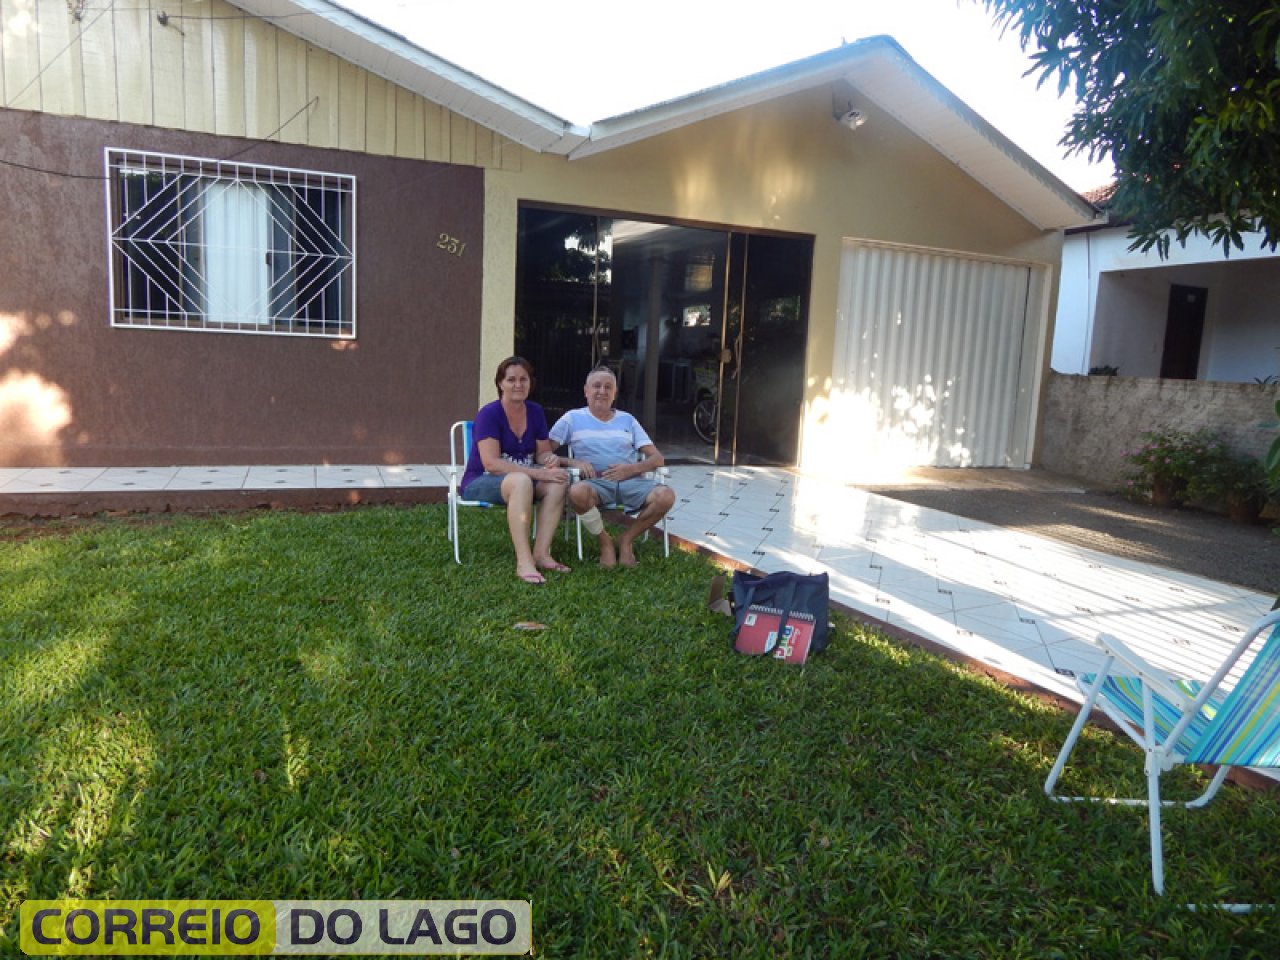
(451, 244)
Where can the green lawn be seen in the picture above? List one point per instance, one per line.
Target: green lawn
(325, 706)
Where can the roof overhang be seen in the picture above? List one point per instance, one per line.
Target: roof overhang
(877, 68)
(366, 44)
(880, 70)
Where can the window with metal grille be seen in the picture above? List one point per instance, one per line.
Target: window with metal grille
(213, 245)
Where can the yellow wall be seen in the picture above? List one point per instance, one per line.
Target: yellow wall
(784, 165)
(214, 69)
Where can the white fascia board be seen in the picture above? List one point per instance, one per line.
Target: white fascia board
(351, 37)
(878, 67)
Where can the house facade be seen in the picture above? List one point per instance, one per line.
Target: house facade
(1198, 314)
(274, 232)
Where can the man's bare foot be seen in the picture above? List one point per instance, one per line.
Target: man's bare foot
(608, 557)
(626, 556)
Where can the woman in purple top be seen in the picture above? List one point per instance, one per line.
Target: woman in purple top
(507, 438)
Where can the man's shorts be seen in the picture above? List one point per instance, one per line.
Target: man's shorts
(630, 493)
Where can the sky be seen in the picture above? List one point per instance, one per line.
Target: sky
(586, 61)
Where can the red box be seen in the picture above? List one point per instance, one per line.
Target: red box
(759, 634)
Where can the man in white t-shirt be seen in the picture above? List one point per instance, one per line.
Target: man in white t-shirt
(605, 443)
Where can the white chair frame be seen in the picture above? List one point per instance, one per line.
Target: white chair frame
(1162, 754)
(661, 476)
(459, 448)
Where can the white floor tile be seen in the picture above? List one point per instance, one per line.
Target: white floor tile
(414, 475)
(851, 557)
(348, 476)
(1072, 659)
(735, 544)
(1009, 634)
(930, 602)
(132, 478)
(292, 477)
(48, 480)
(208, 478)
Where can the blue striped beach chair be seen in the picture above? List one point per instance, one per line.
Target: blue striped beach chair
(1179, 721)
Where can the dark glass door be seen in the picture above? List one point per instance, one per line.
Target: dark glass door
(561, 274)
(731, 352)
(664, 322)
(682, 315)
(770, 355)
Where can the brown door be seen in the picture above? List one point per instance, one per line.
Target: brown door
(1182, 333)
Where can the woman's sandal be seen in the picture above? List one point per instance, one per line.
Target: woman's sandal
(534, 578)
(553, 565)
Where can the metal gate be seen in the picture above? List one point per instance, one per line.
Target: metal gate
(937, 355)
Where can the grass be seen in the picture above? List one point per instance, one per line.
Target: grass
(288, 706)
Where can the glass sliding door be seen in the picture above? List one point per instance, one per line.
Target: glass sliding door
(683, 316)
(562, 285)
(770, 356)
(663, 325)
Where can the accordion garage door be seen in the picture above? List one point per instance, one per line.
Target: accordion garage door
(937, 356)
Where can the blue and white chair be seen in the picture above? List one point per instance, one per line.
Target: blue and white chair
(459, 448)
(660, 476)
(1178, 721)
(460, 437)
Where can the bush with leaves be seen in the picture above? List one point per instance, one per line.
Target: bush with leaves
(1171, 459)
(1229, 478)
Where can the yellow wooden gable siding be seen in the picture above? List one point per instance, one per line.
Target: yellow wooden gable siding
(212, 68)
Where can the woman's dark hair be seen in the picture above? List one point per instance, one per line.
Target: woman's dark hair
(512, 362)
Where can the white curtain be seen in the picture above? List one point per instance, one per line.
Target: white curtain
(237, 241)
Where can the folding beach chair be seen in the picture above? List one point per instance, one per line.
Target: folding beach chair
(459, 448)
(1179, 721)
(661, 476)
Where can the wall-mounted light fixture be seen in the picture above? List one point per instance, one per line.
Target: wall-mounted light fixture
(851, 117)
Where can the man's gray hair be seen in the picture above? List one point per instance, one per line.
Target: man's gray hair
(602, 368)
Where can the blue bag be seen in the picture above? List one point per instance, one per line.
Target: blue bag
(783, 598)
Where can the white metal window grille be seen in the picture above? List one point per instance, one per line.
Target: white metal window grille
(213, 245)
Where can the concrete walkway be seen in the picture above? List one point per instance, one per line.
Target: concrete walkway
(1022, 604)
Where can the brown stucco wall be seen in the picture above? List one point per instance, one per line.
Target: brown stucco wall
(1089, 422)
(75, 391)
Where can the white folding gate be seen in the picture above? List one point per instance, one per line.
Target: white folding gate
(937, 356)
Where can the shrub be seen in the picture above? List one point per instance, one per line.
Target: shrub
(1230, 478)
(1167, 461)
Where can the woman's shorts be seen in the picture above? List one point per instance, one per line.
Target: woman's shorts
(487, 488)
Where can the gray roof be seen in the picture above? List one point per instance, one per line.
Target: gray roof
(877, 68)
